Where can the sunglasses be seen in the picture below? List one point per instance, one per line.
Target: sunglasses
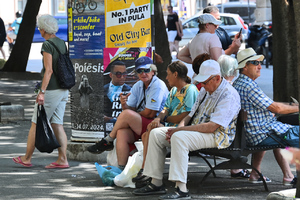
(139, 71)
(254, 62)
(205, 82)
(120, 74)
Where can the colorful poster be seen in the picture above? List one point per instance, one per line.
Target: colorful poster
(87, 28)
(86, 44)
(128, 23)
(118, 77)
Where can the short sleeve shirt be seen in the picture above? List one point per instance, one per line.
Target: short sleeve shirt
(221, 107)
(172, 19)
(47, 47)
(156, 95)
(180, 101)
(202, 43)
(260, 120)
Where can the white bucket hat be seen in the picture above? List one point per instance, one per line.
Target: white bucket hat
(208, 18)
(208, 68)
(247, 55)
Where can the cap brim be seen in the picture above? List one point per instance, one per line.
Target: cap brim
(217, 22)
(143, 66)
(257, 57)
(201, 78)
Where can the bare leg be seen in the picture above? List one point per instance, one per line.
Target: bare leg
(284, 165)
(124, 138)
(171, 46)
(256, 161)
(127, 119)
(145, 139)
(176, 46)
(62, 140)
(30, 145)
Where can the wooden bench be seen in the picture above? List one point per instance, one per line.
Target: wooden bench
(236, 153)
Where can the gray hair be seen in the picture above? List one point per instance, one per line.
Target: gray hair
(154, 68)
(48, 23)
(210, 9)
(228, 66)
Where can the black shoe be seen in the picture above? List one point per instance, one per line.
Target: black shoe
(139, 176)
(150, 189)
(143, 182)
(176, 195)
(101, 146)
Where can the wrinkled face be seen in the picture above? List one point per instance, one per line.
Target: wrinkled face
(118, 75)
(211, 28)
(171, 78)
(145, 75)
(211, 84)
(216, 15)
(252, 69)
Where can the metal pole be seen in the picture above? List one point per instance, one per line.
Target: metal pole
(248, 12)
(267, 52)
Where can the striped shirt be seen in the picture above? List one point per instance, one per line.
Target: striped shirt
(260, 120)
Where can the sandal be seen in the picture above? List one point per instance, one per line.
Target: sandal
(150, 189)
(244, 173)
(259, 180)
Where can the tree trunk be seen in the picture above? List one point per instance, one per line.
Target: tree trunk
(161, 40)
(285, 62)
(286, 53)
(18, 58)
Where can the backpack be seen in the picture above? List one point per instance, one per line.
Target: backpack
(65, 70)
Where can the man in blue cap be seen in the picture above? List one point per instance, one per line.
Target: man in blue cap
(140, 106)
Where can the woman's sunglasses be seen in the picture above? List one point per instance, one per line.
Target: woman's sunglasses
(254, 62)
(120, 74)
(141, 70)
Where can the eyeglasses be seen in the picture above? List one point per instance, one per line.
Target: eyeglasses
(120, 74)
(205, 82)
(254, 62)
(139, 71)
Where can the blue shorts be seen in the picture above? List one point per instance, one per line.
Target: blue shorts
(291, 137)
(55, 105)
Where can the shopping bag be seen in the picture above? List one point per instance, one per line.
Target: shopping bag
(107, 174)
(133, 166)
(45, 140)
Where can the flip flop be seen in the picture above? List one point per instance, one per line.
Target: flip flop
(54, 165)
(18, 160)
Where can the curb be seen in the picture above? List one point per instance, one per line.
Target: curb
(78, 151)
(11, 112)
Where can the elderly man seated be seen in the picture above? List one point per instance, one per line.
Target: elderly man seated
(260, 118)
(213, 118)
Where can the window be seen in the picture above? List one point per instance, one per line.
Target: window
(192, 23)
(227, 21)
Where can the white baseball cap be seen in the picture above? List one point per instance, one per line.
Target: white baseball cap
(207, 69)
(208, 18)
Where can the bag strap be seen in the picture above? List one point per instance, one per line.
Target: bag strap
(192, 118)
(144, 99)
(52, 43)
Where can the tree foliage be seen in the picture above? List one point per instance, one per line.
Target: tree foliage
(18, 58)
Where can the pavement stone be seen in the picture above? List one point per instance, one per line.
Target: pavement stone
(81, 180)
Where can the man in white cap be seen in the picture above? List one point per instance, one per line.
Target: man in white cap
(212, 118)
(260, 118)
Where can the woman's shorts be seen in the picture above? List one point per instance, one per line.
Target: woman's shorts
(55, 105)
(171, 35)
(145, 122)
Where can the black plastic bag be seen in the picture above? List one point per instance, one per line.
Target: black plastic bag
(45, 140)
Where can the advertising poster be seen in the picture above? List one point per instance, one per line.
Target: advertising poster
(86, 44)
(128, 23)
(119, 76)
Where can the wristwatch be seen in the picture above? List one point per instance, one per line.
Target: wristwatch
(42, 91)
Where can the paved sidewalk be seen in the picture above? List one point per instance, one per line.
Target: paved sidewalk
(81, 180)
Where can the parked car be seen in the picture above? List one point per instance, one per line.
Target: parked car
(232, 23)
(243, 9)
(62, 32)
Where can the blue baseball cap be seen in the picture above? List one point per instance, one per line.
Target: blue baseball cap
(143, 62)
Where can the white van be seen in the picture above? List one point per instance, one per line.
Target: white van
(242, 8)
